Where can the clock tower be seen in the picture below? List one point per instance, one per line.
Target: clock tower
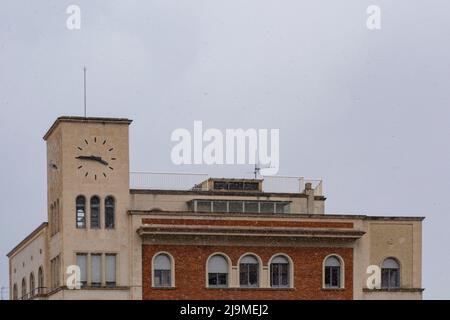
(88, 199)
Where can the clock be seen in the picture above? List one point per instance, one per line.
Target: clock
(95, 158)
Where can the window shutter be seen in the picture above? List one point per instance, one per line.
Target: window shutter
(280, 259)
(249, 259)
(332, 262)
(162, 262)
(217, 264)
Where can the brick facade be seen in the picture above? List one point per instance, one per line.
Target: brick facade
(190, 273)
(250, 223)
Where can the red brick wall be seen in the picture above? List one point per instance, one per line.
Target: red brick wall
(190, 268)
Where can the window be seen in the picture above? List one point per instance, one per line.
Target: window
(217, 271)
(110, 270)
(15, 293)
(82, 264)
(267, 207)
(332, 272)
(251, 186)
(204, 206)
(162, 271)
(219, 206)
(109, 212)
(24, 288)
(251, 207)
(81, 212)
(32, 284)
(96, 270)
(279, 272)
(220, 185)
(95, 212)
(236, 185)
(236, 206)
(249, 271)
(390, 274)
(51, 220)
(282, 207)
(55, 271)
(58, 218)
(40, 281)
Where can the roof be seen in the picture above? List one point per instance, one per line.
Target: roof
(85, 120)
(27, 238)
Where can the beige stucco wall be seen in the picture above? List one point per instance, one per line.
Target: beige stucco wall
(27, 260)
(385, 238)
(69, 182)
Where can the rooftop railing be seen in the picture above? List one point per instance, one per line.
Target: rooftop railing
(193, 181)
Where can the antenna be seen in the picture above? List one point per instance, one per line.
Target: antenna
(256, 171)
(84, 83)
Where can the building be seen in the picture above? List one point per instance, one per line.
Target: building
(204, 238)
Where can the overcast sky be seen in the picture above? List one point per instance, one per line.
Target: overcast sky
(367, 111)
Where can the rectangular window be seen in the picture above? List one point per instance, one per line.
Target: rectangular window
(204, 206)
(236, 206)
(267, 207)
(220, 185)
(96, 270)
(82, 264)
(251, 207)
(111, 270)
(219, 206)
(251, 186)
(217, 279)
(236, 186)
(162, 278)
(248, 274)
(282, 207)
(332, 277)
(279, 274)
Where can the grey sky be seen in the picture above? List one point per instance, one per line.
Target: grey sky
(367, 111)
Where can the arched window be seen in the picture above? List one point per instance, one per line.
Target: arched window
(40, 281)
(15, 293)
(249, 271)
(81, 212)
(217, 271)
(162, 271)
(32, 284)
(109, 212)
(390, 274)
(24, 288)
(95, 212)
(279, 272)
(333, 272)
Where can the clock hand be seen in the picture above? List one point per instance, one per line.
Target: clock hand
(99, 159)
(93, 158)
(84, 157)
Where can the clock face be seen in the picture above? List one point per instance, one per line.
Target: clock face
(95, 158)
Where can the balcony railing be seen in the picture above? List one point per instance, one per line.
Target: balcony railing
(192, 181)
(166, 180)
